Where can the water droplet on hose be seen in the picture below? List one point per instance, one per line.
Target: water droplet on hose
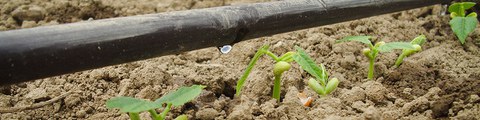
(225, 49)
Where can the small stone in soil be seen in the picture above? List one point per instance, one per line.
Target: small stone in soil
(29, 12)
(206, 114)
(375, 91)
(440, 108)
(473, 99)
(81, 113)
(371, 114)
(29, 24)
(37, 93)
(355, 94)
(72, 100)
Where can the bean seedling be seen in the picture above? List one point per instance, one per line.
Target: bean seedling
(374, 49)
(282, 64)
(134, 106)
(461, 23)
(416, 43)
(321, 85)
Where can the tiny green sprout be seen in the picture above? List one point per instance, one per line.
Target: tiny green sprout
(282, 64)
(417, 42)
(373, 50)
(134, 106)
(321, 85)
(461, 23)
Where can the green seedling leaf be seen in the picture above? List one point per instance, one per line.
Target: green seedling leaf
(254, 60)
(134, 105)
(324, 73)
(331, 85)
(129, 104)
(457, 7)
(473, 14)
(307, 64)
(462, 26)
(387, 47)
(416, 43)
(362, 39)
(181, 96)
(182, 117)
(313, 84)
(419, 40)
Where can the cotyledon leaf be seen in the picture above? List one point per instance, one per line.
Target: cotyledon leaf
(307, 64)
(129, 104)
(177, 98)
(419, 40)
(181, 96)
(456, 7)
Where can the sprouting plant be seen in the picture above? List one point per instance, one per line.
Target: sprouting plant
(321, 85)
(134, 106)
(374, 49)
(461, 23)
(282, 64)
(417, 42)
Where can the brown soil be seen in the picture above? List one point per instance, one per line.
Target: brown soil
(441, 82)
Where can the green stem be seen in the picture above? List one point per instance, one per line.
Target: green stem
(154, 114)
(134, 116)
(165, 111)
(254, 60)
(273, 56)
(462, 11)
(371, 68)
(276, 87)
(400, 59)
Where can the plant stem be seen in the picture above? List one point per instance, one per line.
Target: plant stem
(165, 111)
(371, 68)
(400, 59)
(273, 56)
(134, 116)
(154, 114)
(276, 87)
(254, 60)
(462, 11)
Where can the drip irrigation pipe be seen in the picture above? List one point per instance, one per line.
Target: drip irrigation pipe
(34, 53)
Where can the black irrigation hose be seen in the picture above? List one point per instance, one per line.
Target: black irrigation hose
(40, 52)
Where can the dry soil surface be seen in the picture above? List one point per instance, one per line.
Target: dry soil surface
(441, 82)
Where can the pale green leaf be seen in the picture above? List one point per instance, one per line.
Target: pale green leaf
(313, 84)
(182, 117)
(462, 26)
(456, 7)
(129, 104)
(419, 40)
(331, 85)
(181, 96)
(307, 64)
(387, 47)
(250, 66)
(362, 39)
